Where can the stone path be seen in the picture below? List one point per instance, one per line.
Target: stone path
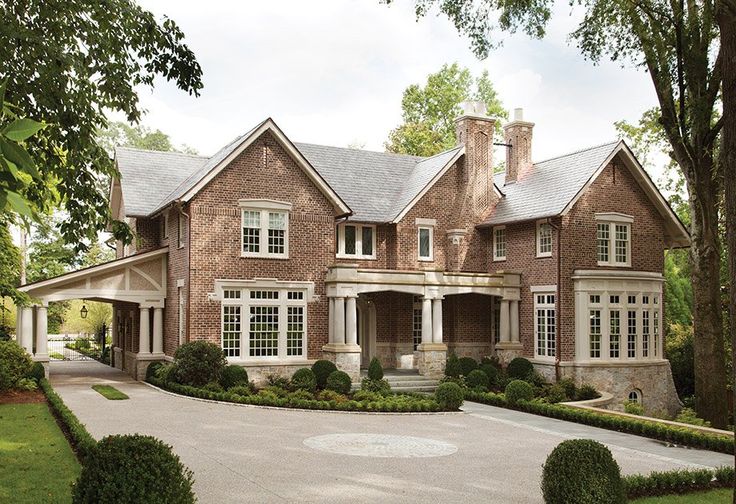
(250, 454)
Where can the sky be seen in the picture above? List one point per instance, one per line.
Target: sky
(333, 71)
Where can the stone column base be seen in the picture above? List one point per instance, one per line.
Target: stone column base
(507, 351)
(43, 359)
(431, 359)
(117, 358)
(141, 363)
(345, 357)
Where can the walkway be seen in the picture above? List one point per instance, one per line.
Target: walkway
(249, 454)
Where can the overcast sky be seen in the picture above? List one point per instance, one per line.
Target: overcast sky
(333, 72)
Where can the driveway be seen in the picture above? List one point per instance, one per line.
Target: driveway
(250, 454)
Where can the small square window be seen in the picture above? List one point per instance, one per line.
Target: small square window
(632, 299)
(595, 299)
(645, 299)
(615, 299)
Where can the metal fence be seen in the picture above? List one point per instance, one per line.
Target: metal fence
(77, 348)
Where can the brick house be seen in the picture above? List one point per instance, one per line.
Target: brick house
(284, 253)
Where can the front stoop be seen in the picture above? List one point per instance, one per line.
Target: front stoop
(406, 381)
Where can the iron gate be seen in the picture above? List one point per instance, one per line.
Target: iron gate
(77, 348)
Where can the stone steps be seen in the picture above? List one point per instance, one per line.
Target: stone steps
(407, 381)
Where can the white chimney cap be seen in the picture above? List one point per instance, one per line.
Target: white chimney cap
(518, 114)
(473, 108)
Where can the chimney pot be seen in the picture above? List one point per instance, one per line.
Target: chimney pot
(518, 114)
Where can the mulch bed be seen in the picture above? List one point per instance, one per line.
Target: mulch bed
(22, 397)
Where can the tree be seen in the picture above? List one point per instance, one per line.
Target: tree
(677, 43)
(119, 133)
(428, 125)
(66, 63)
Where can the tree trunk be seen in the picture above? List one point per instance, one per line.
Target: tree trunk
(726, 18)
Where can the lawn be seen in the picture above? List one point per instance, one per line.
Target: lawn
(110, 392)
(36, 462)
(721, 496)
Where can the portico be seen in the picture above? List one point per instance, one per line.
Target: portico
(346, 283)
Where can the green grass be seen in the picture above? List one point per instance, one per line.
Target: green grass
(720, 496)
(110, 392)
(36, 462)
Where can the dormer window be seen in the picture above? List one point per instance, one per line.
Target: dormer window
(265, 228)
(613, 239)
(356, 241)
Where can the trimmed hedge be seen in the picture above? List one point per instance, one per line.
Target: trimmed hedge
(17, 364)
(678, 482)
(233, 376)
(452, 367)
(404, 402)
(80, 439)
(640, 427)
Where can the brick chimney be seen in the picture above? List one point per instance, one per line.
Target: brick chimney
(474, 129)
(518, 133)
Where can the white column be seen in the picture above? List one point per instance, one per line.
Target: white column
(437, 321)
(426, 321)
(158, 330)
(504, 326)
(144, 345)
(26, 336)
(331, 320)
(351, 322)
(514, 321)
(339, 321)
(42, 327)
(19, 325)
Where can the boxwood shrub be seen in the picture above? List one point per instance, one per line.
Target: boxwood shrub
(491, 372)
(38, 372)
(322, 370)
(152, 369)
(467, 364)
(375, 370)
(518, 390)
(452, 367)
(519, 368)
(582, 470)
(16, 364)
(233, 376)
(133, 468)
(378, 386)
(478, 379)
(304, 379)
(339, 381)
(199, 362)
(449, 396)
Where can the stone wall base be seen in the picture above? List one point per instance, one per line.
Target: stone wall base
(346, 358)
(396, 355)
(259, 373)
(136, 365)
(117, 358)
(431, 359)
(476, 351)
(506, 352)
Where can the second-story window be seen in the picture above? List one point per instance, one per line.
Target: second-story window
(180, 231)
(265, 228)
(499, 243)
(424, 235)
(356, 241)
(613, 239)
(544, 239)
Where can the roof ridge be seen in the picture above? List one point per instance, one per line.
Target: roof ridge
(577, 151)
(440, 153)
(126, 147)
(360, 150)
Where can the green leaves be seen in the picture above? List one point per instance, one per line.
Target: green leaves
(22, 129)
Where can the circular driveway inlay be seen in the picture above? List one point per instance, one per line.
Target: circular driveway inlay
(380, 445)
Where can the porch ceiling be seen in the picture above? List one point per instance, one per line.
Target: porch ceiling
(140, 279)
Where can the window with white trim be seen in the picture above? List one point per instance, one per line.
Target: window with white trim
(425, 243)
(499, 243)
(264, 229)
(544, 239)
(613, 239)
(276, 324)
(417, 322)
(594, 335)
(545, 324)
(357, 241)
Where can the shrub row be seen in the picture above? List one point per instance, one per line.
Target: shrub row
(391, 403)
(82, 441)
(678, 482)
(669, 433)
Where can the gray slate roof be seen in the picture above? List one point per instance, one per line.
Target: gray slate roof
(548, 187)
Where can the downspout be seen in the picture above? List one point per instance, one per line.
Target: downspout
(180, 207)
(558, 299)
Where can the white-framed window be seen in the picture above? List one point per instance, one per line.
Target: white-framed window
(613, 239)
(180, 228)
(417, 322)
(499, 243)
(635, 396)
(264, 229)
(594, 335)
(357, 241)
(544, 239)
(181, 315)
(425, 243)
(264, 322)
(632, 338)
(614, 334)
(545, 324)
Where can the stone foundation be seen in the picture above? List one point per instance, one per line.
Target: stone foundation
(259, 373)
(396, 355)
(117, 358)
(476, 351)
(506, 352)
(136, 364)
(346, 358)
(431, 359)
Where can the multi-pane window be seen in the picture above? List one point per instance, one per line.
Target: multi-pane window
(356, 241)
(645, 333)
(544, 239)
(595, 334)
(263, 332)
(499, 243)
(251, 231)
(655, 331)
(545, 324)
(424, 237)
(614, 335)
(231, 330)
(613, 240)
(295, 331)
(276, 233)
(265, 231)
(631, 336)
(417, 323)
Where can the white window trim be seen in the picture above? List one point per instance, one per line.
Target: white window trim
(547, 290)
(612, 241)
(539, 238)
(358, 241)
(614, 217)
(493, 244)
(430, 257)
(265, 206)
(180, 230)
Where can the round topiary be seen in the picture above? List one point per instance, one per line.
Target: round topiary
(152, 369)
(322, 369)
(38, 372)
(582, 470)
(304, 379)
(467, 364)
(519, 368)
(233, 376)
(477, 378)
(518, 390)
(133, 468)
(339, 381)
(16, 364)
(452, 368)
(375, 370)
(449, 396)
(198, 363)
(491, 372)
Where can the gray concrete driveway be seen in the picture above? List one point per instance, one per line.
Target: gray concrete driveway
(249, 454)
